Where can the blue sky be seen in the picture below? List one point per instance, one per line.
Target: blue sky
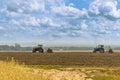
(65, 22)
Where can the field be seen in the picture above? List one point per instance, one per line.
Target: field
(64, 58)
(59, 66)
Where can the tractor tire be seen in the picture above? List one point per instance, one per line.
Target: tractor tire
(102, 51)
(94, 51)
(33, 51)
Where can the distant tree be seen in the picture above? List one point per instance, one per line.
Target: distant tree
(17, 46)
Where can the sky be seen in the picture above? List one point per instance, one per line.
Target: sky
(60, 22)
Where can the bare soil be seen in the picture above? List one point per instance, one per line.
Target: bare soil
(64, 58)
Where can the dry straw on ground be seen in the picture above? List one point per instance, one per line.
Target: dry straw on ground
(13, 71)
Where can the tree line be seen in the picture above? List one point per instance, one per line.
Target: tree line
(16, 47)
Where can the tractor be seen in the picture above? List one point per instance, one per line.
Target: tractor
(49, 50)
(110, 50)
(38, 49)
(99, 48)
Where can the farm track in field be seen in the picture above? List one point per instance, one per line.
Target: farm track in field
(64, 58)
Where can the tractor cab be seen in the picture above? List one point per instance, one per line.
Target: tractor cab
(39, 49)
(99, 48)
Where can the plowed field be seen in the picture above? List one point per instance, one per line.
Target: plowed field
(64, 58)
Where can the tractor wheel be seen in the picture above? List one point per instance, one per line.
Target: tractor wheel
(101, 51)
(41, 51)
(94, 51)
(33, 50)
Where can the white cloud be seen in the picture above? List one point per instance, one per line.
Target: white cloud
(84, 26)
(12, 14)
(14, 22)
(55, 2)
(53, 18)
(33, 21)
(106, 8)
(69, 11)
(37, 5)
(71, 4)
(2, 28)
